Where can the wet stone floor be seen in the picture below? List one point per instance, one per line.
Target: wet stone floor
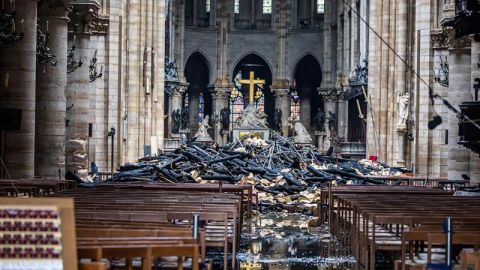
(284, 241)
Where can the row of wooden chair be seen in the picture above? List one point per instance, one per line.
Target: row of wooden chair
(121, 222)
(34, 187)
(367, 219)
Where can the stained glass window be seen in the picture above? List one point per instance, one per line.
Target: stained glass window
(201, 108)
(294, 104)
(185, 101)
(208, 5)
(236, 105)
(260, 98)
(237, 6)
(267, 6)
(320, 6)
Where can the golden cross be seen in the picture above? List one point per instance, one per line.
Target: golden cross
(252, 82)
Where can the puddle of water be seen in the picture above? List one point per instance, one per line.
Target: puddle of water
(284, 241)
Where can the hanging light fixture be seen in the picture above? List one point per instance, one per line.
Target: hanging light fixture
(94, 74)
(72, 63)
(43, 51)
(9, 36)
(441, 76)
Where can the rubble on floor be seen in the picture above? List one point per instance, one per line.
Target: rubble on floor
(281, 172)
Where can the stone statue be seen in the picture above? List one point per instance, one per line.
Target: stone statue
(252, 119)
(277, 120)
(176, 121)
(202, 133)
(184, 120)
(301, 134)
(332, 121)
(402, 102)
(319, 120)
(225, 118)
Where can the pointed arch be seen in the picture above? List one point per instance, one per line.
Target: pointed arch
(299, 60)
(198, 53)
(243, 56)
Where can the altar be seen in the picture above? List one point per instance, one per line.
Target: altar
(252, 122)
(242, 133)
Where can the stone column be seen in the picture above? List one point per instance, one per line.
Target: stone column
(177, 98)
(459, 91)
(305, 107)
(50, 95)
(79, 91)
(330, 106)
(401, 81)
(282, 102)
(220, 96)
(342, 119)
(193, 108)
(17, 91)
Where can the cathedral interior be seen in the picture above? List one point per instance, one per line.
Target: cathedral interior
(247, 112)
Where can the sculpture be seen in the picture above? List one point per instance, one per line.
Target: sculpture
(184, 119)
(176, 121)
(252, 119)
(319, 120)
(225, 118)
(301, 134)
(277, 120)
(402, 102)
(332, 122)
(202, 133)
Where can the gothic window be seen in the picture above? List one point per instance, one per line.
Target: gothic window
(237, 6)
(207, 8)
(294, 104)
(267, 6)
(201, 108)
(185, 101)
(320, 6)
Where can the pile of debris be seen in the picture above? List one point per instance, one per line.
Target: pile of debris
(280, 171)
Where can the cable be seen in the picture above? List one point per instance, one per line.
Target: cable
(8, 174)
(431, 93)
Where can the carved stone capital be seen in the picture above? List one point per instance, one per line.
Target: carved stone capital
(457, 43)
(440, 39)
(328, 93)
(57, 8)
(280, 92)
(182, 89)
(101, 24)
(84, 18)
(220, 92)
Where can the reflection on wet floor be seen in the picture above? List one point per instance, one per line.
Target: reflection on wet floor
(285, 241)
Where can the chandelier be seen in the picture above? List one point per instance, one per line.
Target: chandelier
(72, 63)
(442, 75)
(94, 75)
(8, 32)
(43, 51)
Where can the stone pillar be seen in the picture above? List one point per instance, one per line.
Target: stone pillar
(193, 108)
(17, 91)
(50, 96)
(330, 106)
(79, 91)
(305, 107)
(459, 91)
(282, 102)
(220, 96)
(342, 119)
(400, 82)
(177, 98)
